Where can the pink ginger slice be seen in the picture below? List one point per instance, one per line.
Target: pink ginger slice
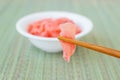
(68, 30)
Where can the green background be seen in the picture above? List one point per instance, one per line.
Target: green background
(20, 60)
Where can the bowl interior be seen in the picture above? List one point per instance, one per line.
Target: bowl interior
(84, 23)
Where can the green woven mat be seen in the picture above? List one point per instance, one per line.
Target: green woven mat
(20, 60)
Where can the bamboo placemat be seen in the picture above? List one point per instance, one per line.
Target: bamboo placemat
(20, 60)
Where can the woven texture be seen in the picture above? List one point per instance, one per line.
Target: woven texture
(20, 60)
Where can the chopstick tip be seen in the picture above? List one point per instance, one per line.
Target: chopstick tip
(59, 37)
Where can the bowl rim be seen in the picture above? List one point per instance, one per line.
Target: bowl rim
(28, 35)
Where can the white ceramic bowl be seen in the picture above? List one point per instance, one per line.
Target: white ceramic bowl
(52, 44)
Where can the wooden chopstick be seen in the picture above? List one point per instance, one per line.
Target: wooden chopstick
(102, 49)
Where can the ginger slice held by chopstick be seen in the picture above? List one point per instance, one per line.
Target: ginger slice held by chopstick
(68, 30)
